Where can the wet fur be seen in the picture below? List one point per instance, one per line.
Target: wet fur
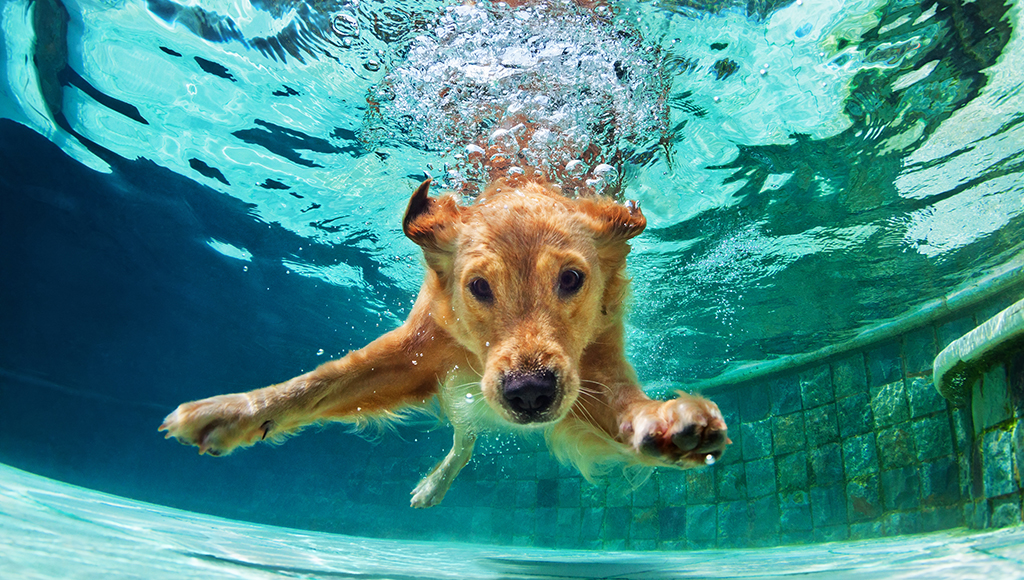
(464, 352)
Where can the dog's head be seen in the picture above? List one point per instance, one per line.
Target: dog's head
(526, 280)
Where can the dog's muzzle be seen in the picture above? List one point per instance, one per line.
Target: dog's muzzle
(530, 395)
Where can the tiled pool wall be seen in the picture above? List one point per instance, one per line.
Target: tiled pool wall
(855, 446)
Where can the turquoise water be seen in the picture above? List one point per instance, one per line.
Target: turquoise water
(104, 536)
(203, 197)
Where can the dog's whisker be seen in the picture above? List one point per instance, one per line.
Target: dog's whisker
(472, 368)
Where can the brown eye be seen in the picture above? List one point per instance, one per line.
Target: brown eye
(569, 282)
(481, 290)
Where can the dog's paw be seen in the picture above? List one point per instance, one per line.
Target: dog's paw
(688, 431)
(429, 492)
(217, 425)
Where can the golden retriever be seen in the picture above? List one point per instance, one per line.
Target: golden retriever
(519, 323)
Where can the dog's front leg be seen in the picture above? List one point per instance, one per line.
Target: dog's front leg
(399, 369)
(435, 484)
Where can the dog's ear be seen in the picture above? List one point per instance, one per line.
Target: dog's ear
(613, 222)
(430, 222)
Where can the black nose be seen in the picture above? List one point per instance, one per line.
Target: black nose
(530, 394)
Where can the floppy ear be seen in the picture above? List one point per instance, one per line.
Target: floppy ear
(613, 222)
(430, 222)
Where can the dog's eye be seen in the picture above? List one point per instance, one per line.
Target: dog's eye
(481, 290)
(569, 282)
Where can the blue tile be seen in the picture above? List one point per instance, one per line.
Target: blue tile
(673, 523)
(854, 415)
(826, 465)
(757, 439)
(729, 405)
(963, 431)
(643, 545)
(1005, 512)
(896, 448)
(923, 397)
(523, 525)
(546, 466)
(547, 493)
(889, 404)
(702, 523)
(816, 387)
(933, 436)
(733, 524)
(991, 404)
(546, 523)
(569, 492)
(760, 477)
(645, 525)
(671, 487)
(821, 425)
(796, 538)
(998, 463)
(950, 331)
(592, 519)
(795, 512)
(828, 505)
(849, 376)
(919, 350)
(901, 488)
(837, 533)
(755, 404)
(788, 433)
(792, 471)
(785, 395)
(976, 514)
(569, 520)
(941, 518)
(647, 494)
(865, 530)
(884, 365)
(1015, 381)
(616, 523)
(731, 483)
(592, 496)
(901, 523)
(765, 519)
(860, 456)
(864, 499)
(700, 486)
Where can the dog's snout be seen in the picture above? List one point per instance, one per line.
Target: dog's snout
(530, 394)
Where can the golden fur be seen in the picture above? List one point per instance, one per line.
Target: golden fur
(519, 323)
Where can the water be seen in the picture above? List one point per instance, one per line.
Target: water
(105, 536)
(202, 197)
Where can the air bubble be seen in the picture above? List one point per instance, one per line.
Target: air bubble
(575, 168)
(345, 25)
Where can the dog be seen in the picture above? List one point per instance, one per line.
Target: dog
(518, 323)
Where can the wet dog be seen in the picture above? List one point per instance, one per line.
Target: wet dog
(519, 323)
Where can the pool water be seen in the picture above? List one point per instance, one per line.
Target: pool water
(205, 196)
(104, 536)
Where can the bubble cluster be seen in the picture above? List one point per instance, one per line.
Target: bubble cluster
(552, 91)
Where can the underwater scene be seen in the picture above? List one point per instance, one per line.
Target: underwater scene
(203, 197)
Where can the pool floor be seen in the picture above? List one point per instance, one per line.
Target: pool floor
(50, 529)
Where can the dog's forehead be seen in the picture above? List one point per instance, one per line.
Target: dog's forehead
(526, 221)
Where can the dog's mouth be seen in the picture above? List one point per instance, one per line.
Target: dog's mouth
(531, 396)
